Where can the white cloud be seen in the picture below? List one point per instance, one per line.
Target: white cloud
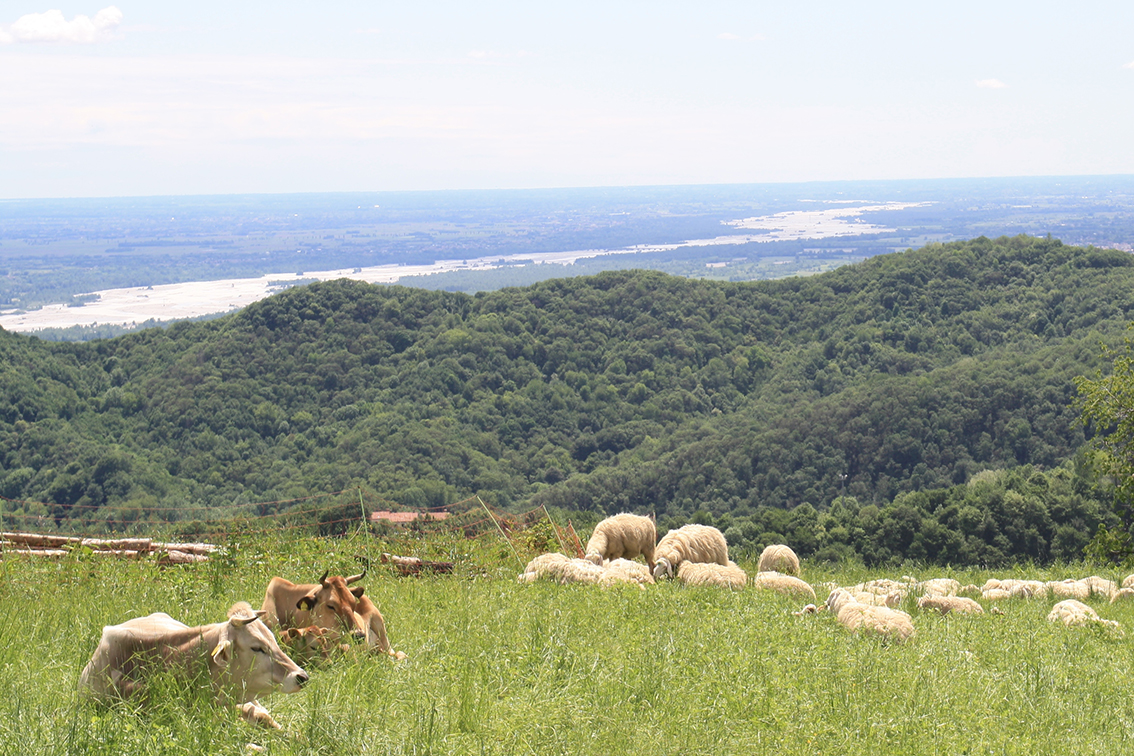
(1129, 65)
(991, 84)
(53, 26)
(728, 35)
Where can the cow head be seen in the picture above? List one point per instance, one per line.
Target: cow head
(332, 604)
(248, 655)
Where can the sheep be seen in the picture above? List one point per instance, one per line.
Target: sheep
(940, 587)
(1128, 582)
(724, 576)
(1069, 589)
(1100, 586)
(889, 623)
(1076, 614)
(623, 536)
(689, 543)
(995, 594)
(1122, 594)
(969, 590)
(891, 600)
(947, 604)
(789, 585)
(621, 571)
(779, 558)
(885, 587)
(561, 569)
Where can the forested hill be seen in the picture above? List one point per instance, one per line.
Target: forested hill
(628, 390)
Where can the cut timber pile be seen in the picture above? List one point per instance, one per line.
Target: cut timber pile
(35, 544)
(414, 565)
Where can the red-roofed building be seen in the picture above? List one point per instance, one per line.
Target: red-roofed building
(404, 518)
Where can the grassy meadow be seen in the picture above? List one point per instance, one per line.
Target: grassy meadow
(496, 667)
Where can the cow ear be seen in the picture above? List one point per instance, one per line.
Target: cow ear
(307, 603)
(220, 653)
(357, 592)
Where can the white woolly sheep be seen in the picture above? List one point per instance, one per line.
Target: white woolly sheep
(623, 536)
(1069, 589)
(779, 558)
(1075, 613)
(1100, 586)
(561, 569)
(891, 600)
(947, 604)
(940, 587)
(969, 590)
(689, 543)
(1128, 582)
(1122, 594)
(789, 585)
(881, 620)
(995, 594)
(618, 571)
(885, 587)
(720, 575)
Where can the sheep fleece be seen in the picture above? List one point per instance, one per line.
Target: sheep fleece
(623, 536)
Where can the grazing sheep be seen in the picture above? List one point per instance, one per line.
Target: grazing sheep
(623, 536)
(1128, 582)
(947, 604)
(789, 585)
(689, 543)
(779, 558)
(561, 569)
(885, 587)
(969, 590)
(996, 594)
(990, 584)
(622, 571)
(877, 599)
(1122, 594)
(1100, 586)
(856, 617)
(940, 587)
(1069, 589)
(1075, 614)
(724, 576)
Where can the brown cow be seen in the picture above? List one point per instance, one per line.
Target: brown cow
(242, 656)
(330, 605)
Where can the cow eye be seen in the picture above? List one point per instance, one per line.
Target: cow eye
(259, 650)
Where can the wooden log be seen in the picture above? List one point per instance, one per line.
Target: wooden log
(35, 539)
(38, 552)
(120, 544)
(189, 548)
(173, 556)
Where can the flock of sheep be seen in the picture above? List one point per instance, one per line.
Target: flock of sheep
(698, 555)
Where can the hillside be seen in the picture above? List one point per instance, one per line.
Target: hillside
(626, 390)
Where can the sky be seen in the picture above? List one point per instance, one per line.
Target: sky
(162, 98)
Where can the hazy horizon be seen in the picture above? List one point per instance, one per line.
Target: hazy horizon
(165, 100)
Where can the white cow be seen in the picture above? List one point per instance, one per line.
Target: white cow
(242, 655)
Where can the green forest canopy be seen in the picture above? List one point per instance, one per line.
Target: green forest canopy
(900, 377)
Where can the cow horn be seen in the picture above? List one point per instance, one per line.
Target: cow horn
(323, 580)
(356, 578)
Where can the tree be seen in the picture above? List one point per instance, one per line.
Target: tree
(1107, 403)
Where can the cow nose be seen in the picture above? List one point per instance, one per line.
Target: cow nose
(301, 678)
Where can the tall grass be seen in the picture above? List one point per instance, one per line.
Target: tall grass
(496, 667)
